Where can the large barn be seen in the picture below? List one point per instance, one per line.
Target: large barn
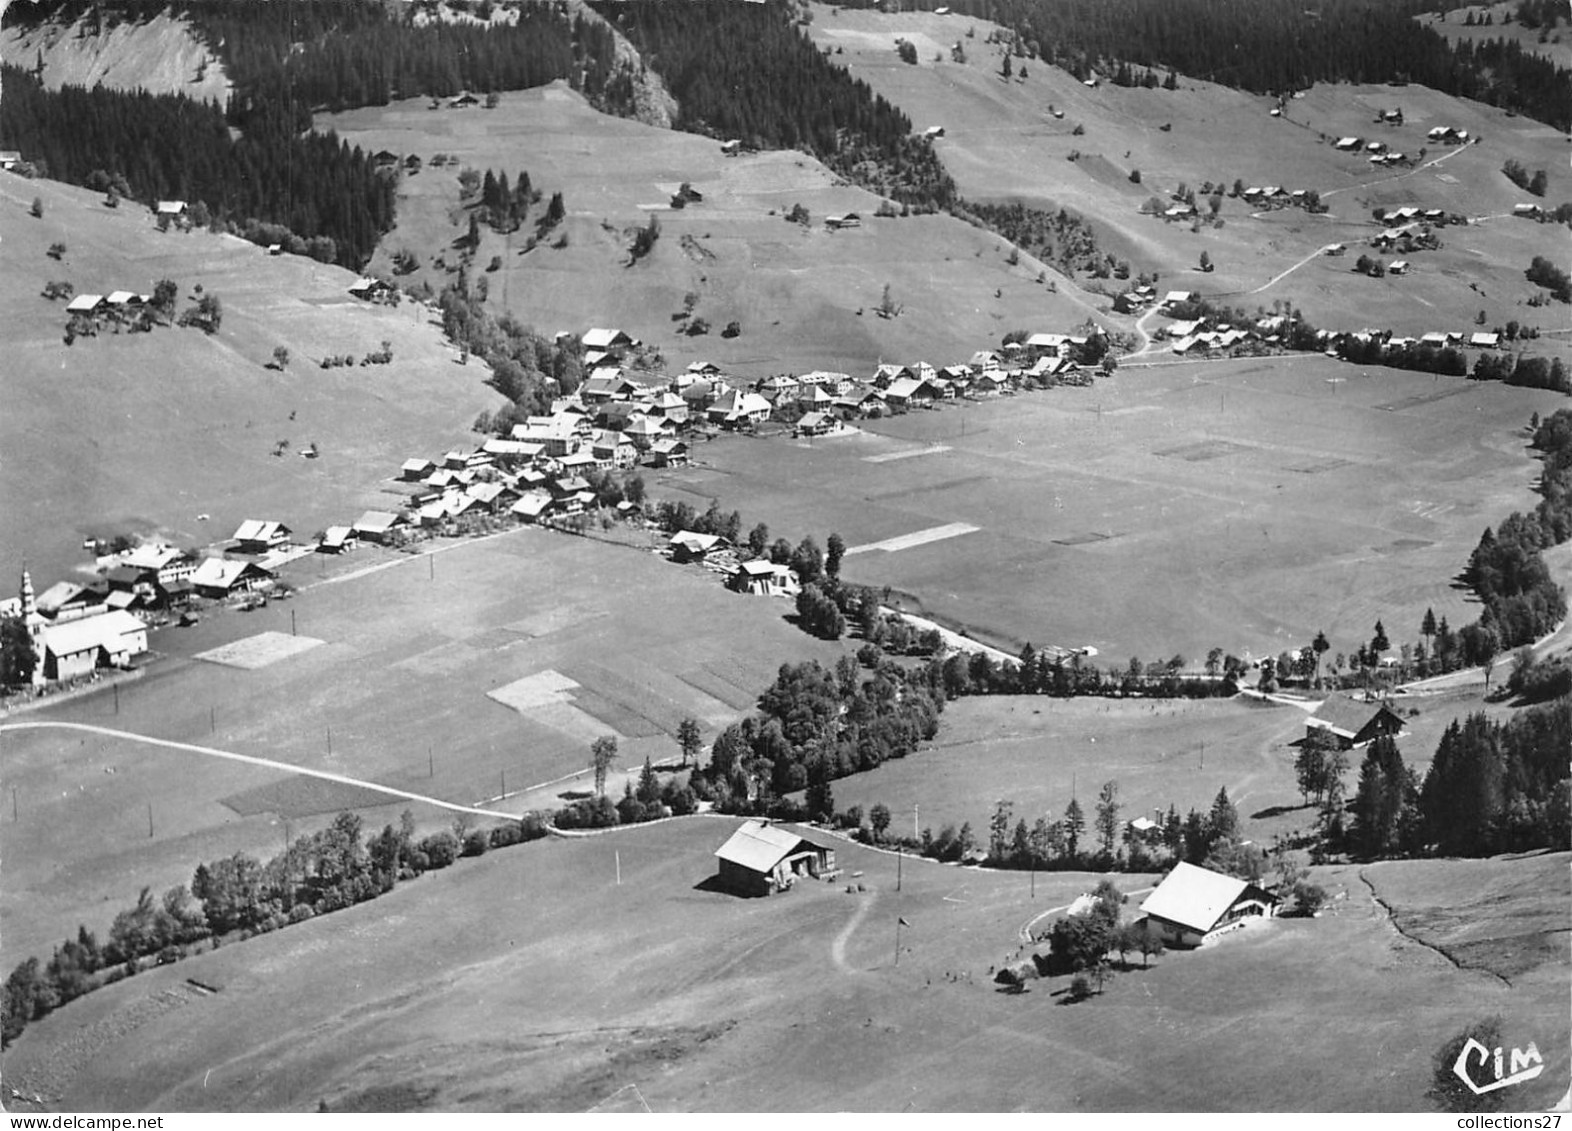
(1354, 723)
(1194, 904)
(761, 858)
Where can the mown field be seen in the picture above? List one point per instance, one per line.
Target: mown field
(1002, 142)
(528, 980)
(1032, 751)
(803, 296)
(1240, 504)
(396, 695)
(144, 433)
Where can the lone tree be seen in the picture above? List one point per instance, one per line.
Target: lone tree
(603, 751)
(1320, 646)
(1074, 825)
(37, 210)
(836, 550)
(690, 739)
(879, 820)
(280, 358)
(1108, 817)
(1206, 262)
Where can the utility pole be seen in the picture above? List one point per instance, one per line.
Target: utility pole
(915, 833)
(292, 622)
(117, 696)
(618, 854)
(899, 856)
(431, 763)
(149, 820)
(330, 741)
(212, 720)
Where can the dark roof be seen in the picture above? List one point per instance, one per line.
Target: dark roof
(1347, 715)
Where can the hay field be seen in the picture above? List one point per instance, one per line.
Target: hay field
(1240, 504)
(1003, 143)
(528, 980)
(396, 695)
(1032, 750)
(145, 432)
(796, 291)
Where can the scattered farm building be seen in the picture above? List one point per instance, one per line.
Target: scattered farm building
(258, 536)
(1354, 723)
(415, 470)
(368, 288)
(1486, 341)
(849, 220)
(171, 208)
(690, 546)
(602, 338)
(84, 304)
(761, 859)
(1193, 905)
(764, 578)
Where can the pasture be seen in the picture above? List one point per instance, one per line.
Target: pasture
(530, 980)
(804, 296)
(1243, 504)
(1002, 142)
(171, 433)
(399, 693)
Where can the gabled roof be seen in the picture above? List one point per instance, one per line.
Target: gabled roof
(598, 337)
(694, 542)
(219, 573)
(151, 555)
(759, 846)
(1194, 897)
(337, 535)
(531, 505)
(1345, 716)
(104, 630)
(259, 530)
(84, 303)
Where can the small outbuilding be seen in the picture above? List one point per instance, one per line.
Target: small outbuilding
(761, 859)
(1194, 905)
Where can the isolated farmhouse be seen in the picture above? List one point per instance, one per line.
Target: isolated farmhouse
(1193, 905)
(1354, 723)
(760, 859)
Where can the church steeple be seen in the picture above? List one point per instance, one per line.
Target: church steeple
(35, 623)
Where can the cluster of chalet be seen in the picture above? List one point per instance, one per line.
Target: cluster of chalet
(758, 576)
(1377, 152)
(1477, 339)
(117, 304)
(1267, 197)
(1193, 337)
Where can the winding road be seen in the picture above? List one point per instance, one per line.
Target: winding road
(265, 763)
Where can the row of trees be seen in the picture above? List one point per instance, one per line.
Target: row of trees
(1528, 372)
(239, 896)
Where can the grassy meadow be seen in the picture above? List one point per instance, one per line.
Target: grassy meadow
(530, 980)
(144, 433)
(397, 695)
(1242, 504)
(1003, 142)
(804, 296)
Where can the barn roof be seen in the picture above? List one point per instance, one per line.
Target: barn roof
(1345, 716)
(1194, 897)
(104, 630)
(759, 846)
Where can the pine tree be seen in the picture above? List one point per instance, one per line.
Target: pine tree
(1074, 825)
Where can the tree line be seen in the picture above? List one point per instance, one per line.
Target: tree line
(238, 896)
(172, 147)
(745, 72)
(1278, 46)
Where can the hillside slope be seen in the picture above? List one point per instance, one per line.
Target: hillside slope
(804, 296)
(161, 56)
(532, 980)
(146, 432)
(1010, 140)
